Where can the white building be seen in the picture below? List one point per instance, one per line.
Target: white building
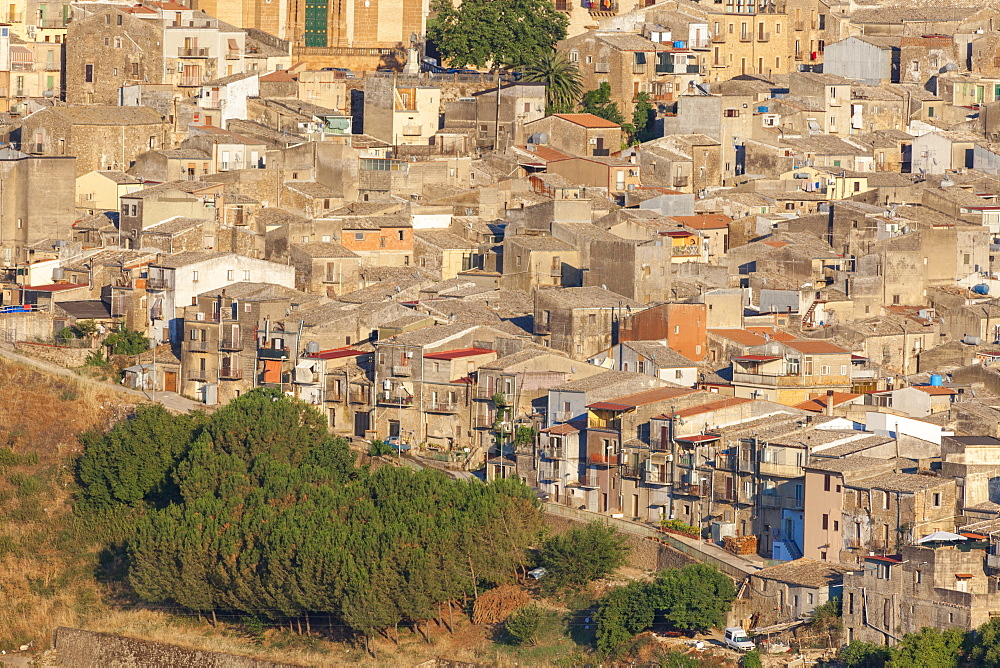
(176, 280)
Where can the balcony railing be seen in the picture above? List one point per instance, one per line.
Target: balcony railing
(192, 52)
(402, 370)
(229, 373)
(686, 251)
(779, 501)
(691, 489)
(412, 130)
(681, 181)
(603, 7)
(657, 476)
(755, 378)
(233, 55)
(607, 460)
(389, 400)
(763, 37)
(784, 470)
(553, 452)
(273, 353)
(630, 471)
(993, 560)
(230, 343)
(206, 375)
(735, 465)
(157, 284)
(357, 397)
(746, 37)
(199, 346)
(442, 407)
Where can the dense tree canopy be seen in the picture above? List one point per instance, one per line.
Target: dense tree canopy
(984, 645)
(256, 509)
(581, 555)
(486, 32)
(599, 103)
(693, 598)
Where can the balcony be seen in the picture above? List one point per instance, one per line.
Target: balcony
(746, 37)
(779, 501)
(412, 130)
(402, 370)
(552, 452)
(681, 181)
(385, 399)
(603, 8)
(756, 378)
(230, 373)
(658, 476)
(691, 489)
(783, 470)
(686, 251)
(233, 55)
(198, 346)
(157, 284)
(192, 52)
(229, 343)
(671, 68)
(763, 37)
(602, 68)
(562, 416)
(719, 39)
(442, 407)
(357, 397)
(799, 26)
(53, 67)
(638, 68)
(993, 560)
(273, 353)
(606, 460)
(734, 464)
(590, 480)
(203, 375)
(630, 471)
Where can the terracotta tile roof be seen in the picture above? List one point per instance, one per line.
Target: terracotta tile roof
(819, 403)
(772, 333)
(561, 429)
(704, 221)
(455, 354)
(934, 390)
(707, 408)
(643, 398)
(741, 336)
(588, 120)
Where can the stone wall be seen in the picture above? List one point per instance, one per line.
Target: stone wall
(646, 554)
(65, 357)
(84, 649)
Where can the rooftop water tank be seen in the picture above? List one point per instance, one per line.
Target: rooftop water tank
(981, 289)
(937, 380)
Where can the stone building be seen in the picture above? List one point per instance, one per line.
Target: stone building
(943, 585)
(578, 321)
(24, 181)
(100, 137)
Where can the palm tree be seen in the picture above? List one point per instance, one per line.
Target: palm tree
(561, 78)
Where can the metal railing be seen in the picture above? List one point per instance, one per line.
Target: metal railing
(206, 375)
(192, 52)
(442, 407)
(228, 373)
(609, 460)
(785, 470)
(401, 370)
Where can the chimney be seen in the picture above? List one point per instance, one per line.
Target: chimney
(828, 409)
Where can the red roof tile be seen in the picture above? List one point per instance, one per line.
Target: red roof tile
(588, 120)
(336, 353)
(818, 404)
(561, 429)
(705, 221)
(706, 408)
(814, 347)
(55, 287)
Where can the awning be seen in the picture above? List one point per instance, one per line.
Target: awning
(233, 46)
(304, 372)
(698, 438)
(940, 537)
(272, 371)
(22, 55)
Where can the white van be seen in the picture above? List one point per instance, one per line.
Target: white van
(736, 638)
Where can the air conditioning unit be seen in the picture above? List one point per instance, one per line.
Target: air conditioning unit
(593, 140)
(408, 355)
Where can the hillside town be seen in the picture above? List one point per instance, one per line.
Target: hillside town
(725, 273)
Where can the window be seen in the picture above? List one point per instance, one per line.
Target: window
(826, 482)
(731, 113)
(305, 239)
(574, 56)
(88, 73)
(885, 499)
(401, 234)
(836, 525)
(230, 275)
(824, 370)
(107, 19)
(359, 236)
(936, 499)
(678, 374)
(592, 319)
(107, 41)
(118, 42)
(917, 577)
(826, 521)
(677, 329)
(326, 238)
(246, 274)
(194, 276)
(895, 299)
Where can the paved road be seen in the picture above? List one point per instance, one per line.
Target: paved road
(170, 400)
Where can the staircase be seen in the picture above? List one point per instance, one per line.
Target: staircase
(807, 319)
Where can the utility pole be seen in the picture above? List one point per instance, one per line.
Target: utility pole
(496, 130)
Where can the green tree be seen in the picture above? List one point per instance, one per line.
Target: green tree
(379, 448)
(125, 341)
(751, 659)
(562, 79)
(931, 647)
(131, 464)
(983, 646)
(640, 118)
(85, 328)
(598, 102)
(581, 555)
(693, 598)
(486, 32)
(622, 613)
(522, 626)
(864, 655)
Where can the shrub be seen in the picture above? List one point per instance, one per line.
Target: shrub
(522, 626)
(680, 527)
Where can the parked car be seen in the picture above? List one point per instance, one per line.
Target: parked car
(736, 638)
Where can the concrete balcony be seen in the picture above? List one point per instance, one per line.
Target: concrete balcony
(229, 373)
(273, 353)
(442, 407)
(402, 370)
(389, 400)
(204, 375)
(606, 460)
(783, 470)
(193, 52)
